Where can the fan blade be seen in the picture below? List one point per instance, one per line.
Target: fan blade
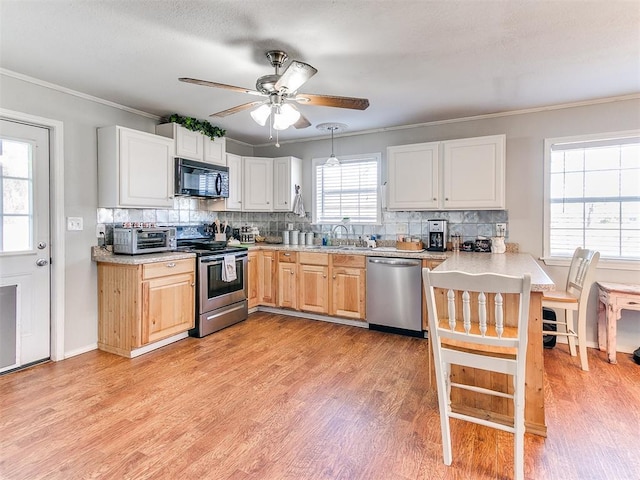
(207, 83)
(296, 74)
(332, 101)
(302, 122)
(239, 108)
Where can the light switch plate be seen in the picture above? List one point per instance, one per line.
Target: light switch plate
(74, 223)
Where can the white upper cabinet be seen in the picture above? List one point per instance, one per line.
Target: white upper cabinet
(257, 184)
(234, 202)
(474, 173)
(413, 176)
(135, 169)
(194, 145)
(287, 173)
(464, 174)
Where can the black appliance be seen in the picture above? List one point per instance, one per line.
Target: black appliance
(219, 303)
(199, 179)
(437, 235)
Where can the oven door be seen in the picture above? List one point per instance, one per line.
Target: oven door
(216, 293)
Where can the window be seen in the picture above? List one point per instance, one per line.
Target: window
(16, 196)
(349, 190)
(593, 189)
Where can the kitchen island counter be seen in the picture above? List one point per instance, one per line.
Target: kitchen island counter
(508, 264)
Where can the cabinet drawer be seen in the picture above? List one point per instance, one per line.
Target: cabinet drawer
(169, 267)
(356, 261)
(306, 258)
(630, 303)
(287, 257)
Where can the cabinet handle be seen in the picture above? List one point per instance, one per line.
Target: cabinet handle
(193, 284)
(324, 276)
(434, 199)
(171, 265)
(291, 272)
(268, 203)
(287, 254)
(334, 277)
(285, 202)
(446, 199)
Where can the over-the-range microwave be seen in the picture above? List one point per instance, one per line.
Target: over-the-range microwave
(199, 179)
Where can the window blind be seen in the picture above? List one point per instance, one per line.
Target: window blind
(349, 190)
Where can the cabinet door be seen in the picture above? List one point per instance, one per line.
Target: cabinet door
(168, 306)
(146, 170)
(253, 278)
(348, 292)
(474, 173)
(257, 191)
(313, 286)
(413, 176)
(189, 144)
(234, 162)
(267, 289)
(215, 150)
(287, 173)
(287, 285)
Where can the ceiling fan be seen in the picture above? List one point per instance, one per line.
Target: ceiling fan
(281, 90)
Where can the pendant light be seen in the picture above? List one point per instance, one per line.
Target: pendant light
(332, 161)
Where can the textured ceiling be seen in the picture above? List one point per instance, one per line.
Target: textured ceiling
(416, 61)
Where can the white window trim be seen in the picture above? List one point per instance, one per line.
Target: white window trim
(318, 161)
(612, 264)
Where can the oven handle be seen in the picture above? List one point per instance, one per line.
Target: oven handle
(215, 261)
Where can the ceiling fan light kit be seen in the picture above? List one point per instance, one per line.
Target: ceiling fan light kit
(280, 90)
(332, 161)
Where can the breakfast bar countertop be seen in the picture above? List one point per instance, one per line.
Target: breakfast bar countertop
(503, 263)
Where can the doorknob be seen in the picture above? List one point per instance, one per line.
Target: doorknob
(41, 262)
(42, 245)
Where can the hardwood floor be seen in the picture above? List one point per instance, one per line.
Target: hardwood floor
(279, 397)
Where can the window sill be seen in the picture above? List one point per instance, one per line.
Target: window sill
(603, 263)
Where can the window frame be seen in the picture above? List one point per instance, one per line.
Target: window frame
(315, 162)
(547, 258)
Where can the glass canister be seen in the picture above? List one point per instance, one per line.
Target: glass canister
(309, 238)
(285, 237)
(302, 238)
(294, 237)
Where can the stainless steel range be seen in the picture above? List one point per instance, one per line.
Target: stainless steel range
(219, 303)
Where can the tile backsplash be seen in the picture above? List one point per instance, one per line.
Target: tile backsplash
(469, 223)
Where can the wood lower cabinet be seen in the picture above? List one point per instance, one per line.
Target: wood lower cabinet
(142, 304)
(267, 273)
(348, 286)
(253, 278)
(313, 285)
(287, 280)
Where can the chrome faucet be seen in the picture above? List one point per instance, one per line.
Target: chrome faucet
(333, 230)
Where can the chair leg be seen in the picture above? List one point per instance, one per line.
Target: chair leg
(582, 339)
(518, 439)
(444, 402)
(569, 326)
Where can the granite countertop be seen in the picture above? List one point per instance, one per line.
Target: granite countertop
(502, 263)
(100, 254)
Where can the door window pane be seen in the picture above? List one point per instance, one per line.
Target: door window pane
(16, 194)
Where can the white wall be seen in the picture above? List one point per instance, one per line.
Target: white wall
(525, 160)
(525, 138)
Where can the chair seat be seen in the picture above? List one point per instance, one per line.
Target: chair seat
(481, 349)
(559, 296)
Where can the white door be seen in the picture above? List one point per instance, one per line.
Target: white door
(24, 245)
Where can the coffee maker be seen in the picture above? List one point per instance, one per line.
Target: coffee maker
(437, 235)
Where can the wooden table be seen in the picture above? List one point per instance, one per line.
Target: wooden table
(613, 298)
(476, 404)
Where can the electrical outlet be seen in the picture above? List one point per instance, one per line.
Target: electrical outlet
(100, 230)
(501, 229)
(74, 223)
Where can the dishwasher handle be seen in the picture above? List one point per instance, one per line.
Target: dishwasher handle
(400, 262)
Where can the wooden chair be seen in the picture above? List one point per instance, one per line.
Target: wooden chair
(574, 299)
(468, 331)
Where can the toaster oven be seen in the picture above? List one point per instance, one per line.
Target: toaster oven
(134, 241)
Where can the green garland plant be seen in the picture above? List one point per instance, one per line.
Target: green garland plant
(196, 125)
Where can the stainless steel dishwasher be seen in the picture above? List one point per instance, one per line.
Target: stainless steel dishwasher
(394, 295)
